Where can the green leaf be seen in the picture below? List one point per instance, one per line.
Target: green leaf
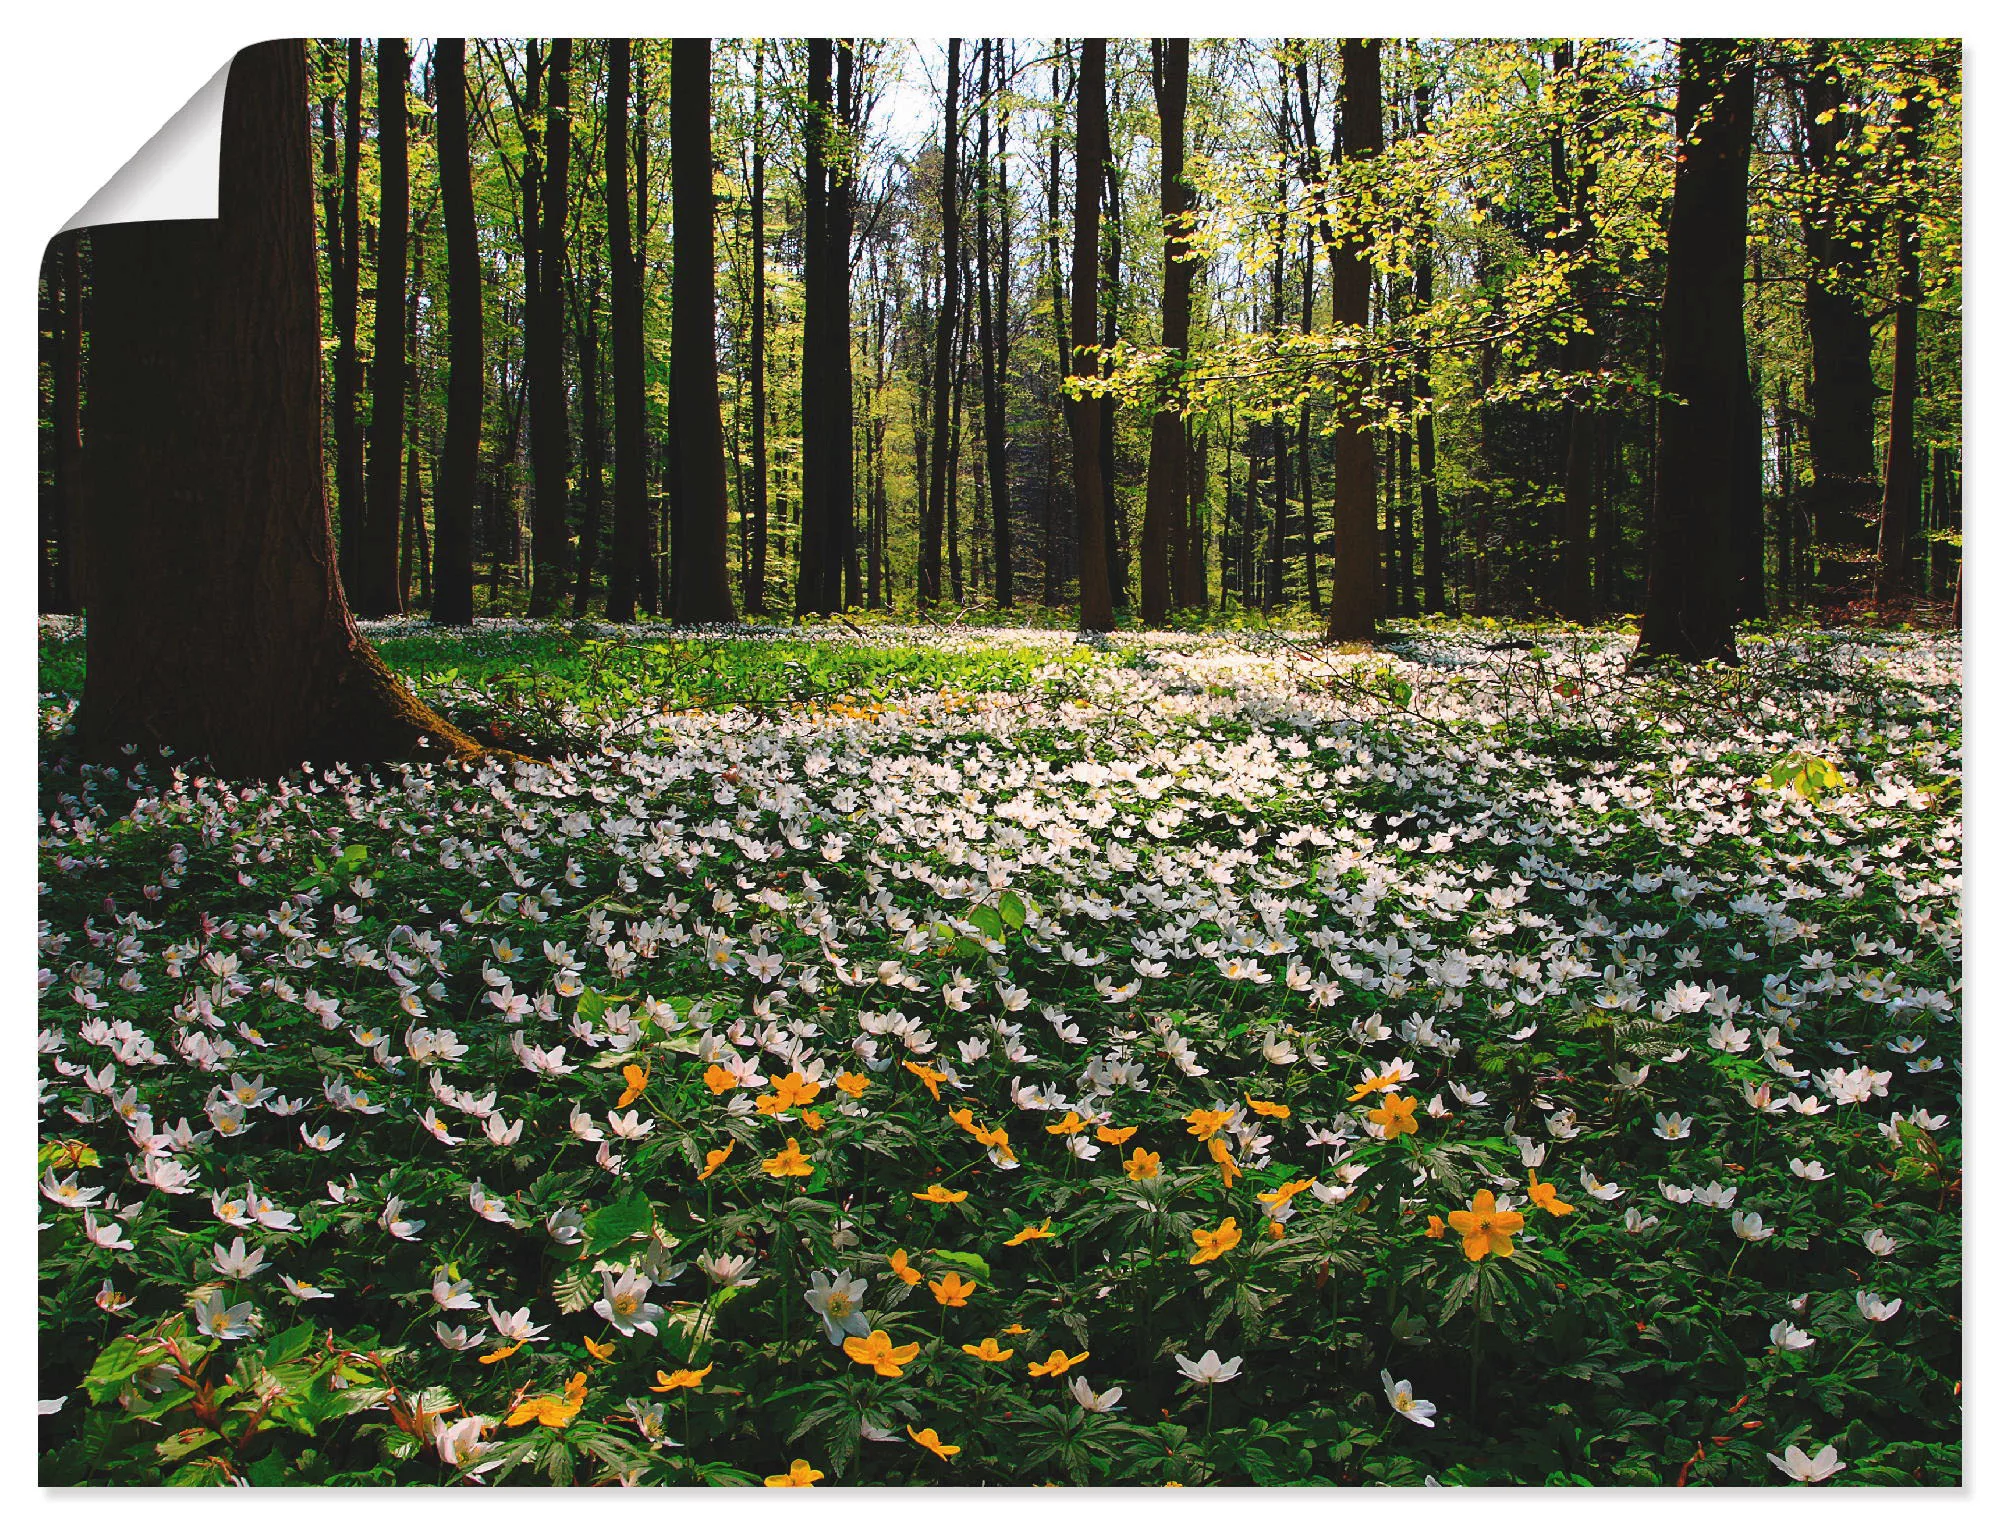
(964, 1260)
(617, 1222)
(988, 921)
(289, 1346)
(1012, 911)
(121, 1359)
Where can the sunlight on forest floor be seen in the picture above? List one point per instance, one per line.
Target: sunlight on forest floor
(1462, 1059)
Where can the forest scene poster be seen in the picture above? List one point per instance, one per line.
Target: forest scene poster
(1000, 761)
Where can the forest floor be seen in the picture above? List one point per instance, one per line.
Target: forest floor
(989, 1056)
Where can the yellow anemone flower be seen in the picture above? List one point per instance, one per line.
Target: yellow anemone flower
(1115, 1137)
(937, 1193)
(603, 1352)
(1543, 1195)
(880, 1352)
(1485, 1229)
(988, 1349)
(1218, 1150)
(501, 1354)
(953, 1290)
(1285, 1193)
(852, 1085)
(802, 1475)
(555, 1413)
(1434, 1227)
(1204, 1124)
(1031, 1232)
(1143, 1165)
(674, 1381)
(811, 1118)
(900, 1264)
(718, 1080)
(928, 1439)
(714, 1160)
(1071, 1123)
(788, 1161)
(1370, 1086)
(927, 1075)
(1213, 1244)
(1396, 1116)
(1268, 1108)
(1057, 1363)
(635, 1085)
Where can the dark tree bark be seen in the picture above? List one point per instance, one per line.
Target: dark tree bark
(1901, 473)
(1840, 244)
(1166, 464)
(648, 569)
(992, 339)
(1051, 568)
(548, 400)
(590, 401)
(628, 358)
(699, 490)
(62, 328)
(376, 590)
(1086, 412)
(1420, 387)
(1691, 586)
(465, 387)
(349, 483)
(1117, 537)
(217, 625)
(827, 386)
(840, 239)
(1574, 171)
(930, 571)
(1357, 558)
(757, 511)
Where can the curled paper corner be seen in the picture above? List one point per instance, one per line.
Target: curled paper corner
(175, 176)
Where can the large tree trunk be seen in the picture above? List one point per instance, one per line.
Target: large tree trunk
(1575, 184)
(700, 491)
(548, 399)
(827, 386)
(590, 400)
(1357, 557)
(217, 623)
(465, 388)
(1117, 538)
(1086, 412)
(1166, 463)
(1420, 385)
(930, 549)
(1840, 419)
(642, 203)
(758, 510)
(840, 240)
(349, 483)
(628, 358)
(62, 281)
(1901, 472)
(376, 591)
(1691, 584)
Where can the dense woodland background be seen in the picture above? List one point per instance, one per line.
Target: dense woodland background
(1424, 278)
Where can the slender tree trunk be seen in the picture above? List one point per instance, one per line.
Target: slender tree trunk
(629, 510)
(992, 340)
(1901, 470)
(1357, 559)
(1691, 584)
(349, 485)
(1840, 246)
(1086, 412)
(465, 387)
(375, 593)
(590, 397)
(1117, 536)
(700, 492)
(647, 539)
(1575, 176)
(1166, 464)
(1435, 554)
(1052, 578)
(548, 398)
(217, 624)
(62, 276)
(930, 568)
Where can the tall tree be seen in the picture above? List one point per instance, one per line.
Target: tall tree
(548, 397)
(1902, 470)
(1573, 170)
(1841, 231)
(992, 335)
(62, 285)
(349, 482)
(827, 385)
(757, 511)
(931, 542)
(376, 588)
(1420, 380)
(699, 487)
(217, 623)
(465, 394)
(1691, 589)
(1086, 412)
(1357, 557)
(1166, 464)
(628, 351)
